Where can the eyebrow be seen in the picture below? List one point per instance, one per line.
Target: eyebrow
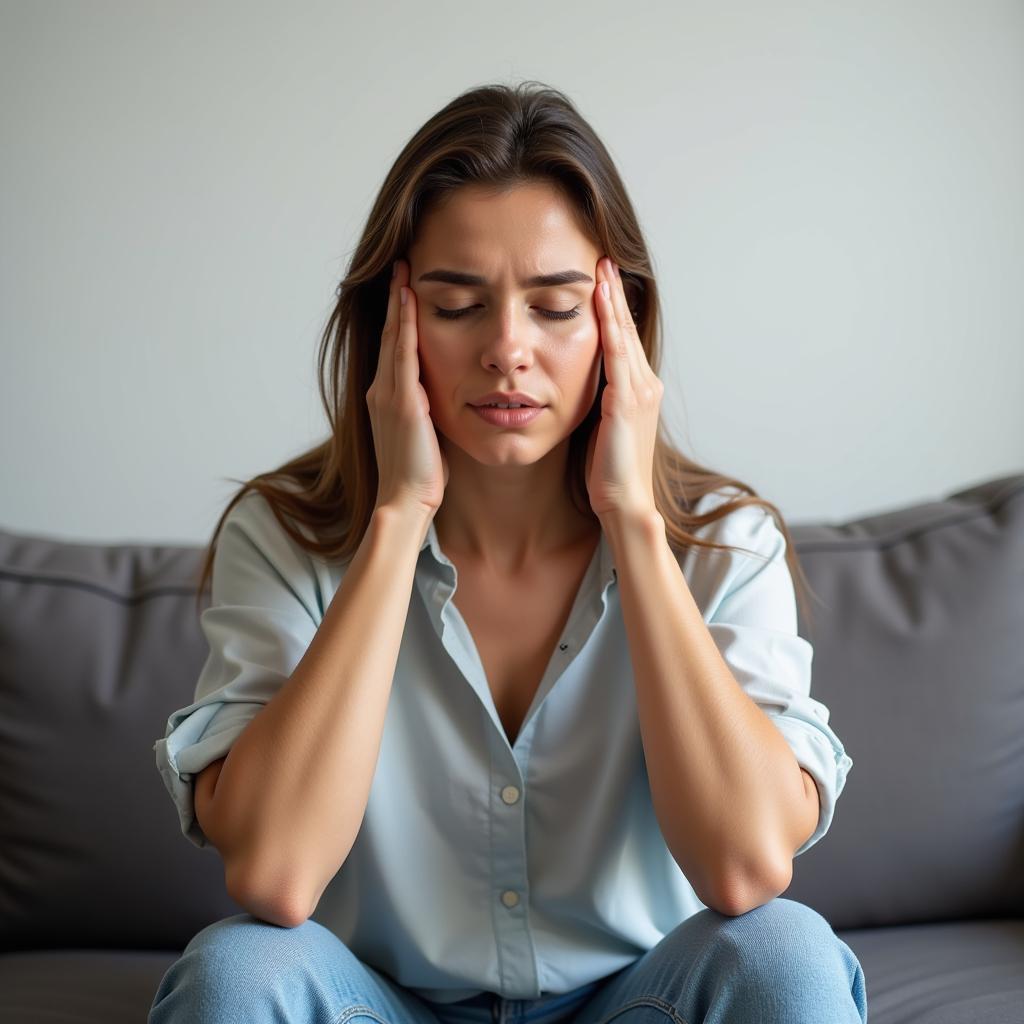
(540, 281)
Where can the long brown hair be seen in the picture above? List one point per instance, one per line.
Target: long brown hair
(496, 136)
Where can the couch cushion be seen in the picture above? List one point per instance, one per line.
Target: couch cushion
(952, 973)
(965, 973)
(83, 986)
(98, 644)
(918, 655)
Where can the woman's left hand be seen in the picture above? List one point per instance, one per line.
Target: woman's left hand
(620, 454)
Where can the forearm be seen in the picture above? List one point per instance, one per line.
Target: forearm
(294, 788)
(724, 783)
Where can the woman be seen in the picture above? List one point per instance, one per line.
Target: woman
(506, 714)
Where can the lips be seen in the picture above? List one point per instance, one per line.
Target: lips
(508, 417)
(506, 398)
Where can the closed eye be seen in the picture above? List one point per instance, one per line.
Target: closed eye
(551, 314)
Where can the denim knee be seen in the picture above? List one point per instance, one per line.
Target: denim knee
(243, 935)
(243, 967)
(778, 917)
(781, 935)
(780, 961)
(784, 945)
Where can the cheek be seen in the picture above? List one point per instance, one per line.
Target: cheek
(591, 371)
(441, 365)
(573, 352)
(587, 356)
(430, 363)
(434, 350)
(579, 343)
(436, 344)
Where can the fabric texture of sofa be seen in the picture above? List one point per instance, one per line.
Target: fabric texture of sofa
(917, 633)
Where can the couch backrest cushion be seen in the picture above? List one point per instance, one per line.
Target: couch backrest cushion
(98, 645)
(919, 655)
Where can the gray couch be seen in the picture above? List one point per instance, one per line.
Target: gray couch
(918, 654)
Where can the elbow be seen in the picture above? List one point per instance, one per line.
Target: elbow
(736, 885)
(277, 904)
(737, 895)
(273, 890)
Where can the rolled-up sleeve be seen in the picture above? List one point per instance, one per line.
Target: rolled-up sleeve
(753, 619)
(262, 617)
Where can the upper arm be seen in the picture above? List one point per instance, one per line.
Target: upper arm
(811, 810)
(205, 783)
(749, 603)
(264, 612)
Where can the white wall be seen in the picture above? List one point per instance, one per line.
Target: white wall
(833, 194)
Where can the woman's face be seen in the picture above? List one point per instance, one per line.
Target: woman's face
(515, 335)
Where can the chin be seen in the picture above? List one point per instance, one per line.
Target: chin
(499, 449)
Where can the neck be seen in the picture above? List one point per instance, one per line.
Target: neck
(508, 518)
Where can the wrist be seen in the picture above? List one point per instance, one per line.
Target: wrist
(620, 524)
(415, 518)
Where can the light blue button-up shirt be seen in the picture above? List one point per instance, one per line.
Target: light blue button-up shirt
(528, 869)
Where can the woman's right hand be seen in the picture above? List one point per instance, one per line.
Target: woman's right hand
(412, 471)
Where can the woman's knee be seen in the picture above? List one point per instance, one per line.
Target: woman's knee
(779, 916)
(764, 938)
(247, 939)
(782, 954)
(783, 938)
(779, 923)
(240, 965)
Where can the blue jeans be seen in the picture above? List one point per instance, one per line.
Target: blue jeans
(780, 962)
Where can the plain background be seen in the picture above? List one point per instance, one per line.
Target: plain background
(833, 195)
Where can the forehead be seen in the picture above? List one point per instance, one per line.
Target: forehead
(531, 228)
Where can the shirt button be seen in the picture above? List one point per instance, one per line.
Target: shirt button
(510, 794)
(509, 898)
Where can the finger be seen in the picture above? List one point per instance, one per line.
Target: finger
(388, 334)
(616, 356)
(634, 349)
(407, 366)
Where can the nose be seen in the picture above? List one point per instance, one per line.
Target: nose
(509, 348)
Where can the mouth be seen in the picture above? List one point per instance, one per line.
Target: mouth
(508, 417)
(514, 405)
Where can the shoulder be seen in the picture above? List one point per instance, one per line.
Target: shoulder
(755, 553)
(751, 527)
(255, 554)
(254, 518)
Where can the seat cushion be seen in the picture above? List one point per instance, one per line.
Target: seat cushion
(83, 986)
(944, 973)
(950, 973)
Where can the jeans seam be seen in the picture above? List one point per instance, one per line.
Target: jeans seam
(659, 1004)
(352, 1011)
